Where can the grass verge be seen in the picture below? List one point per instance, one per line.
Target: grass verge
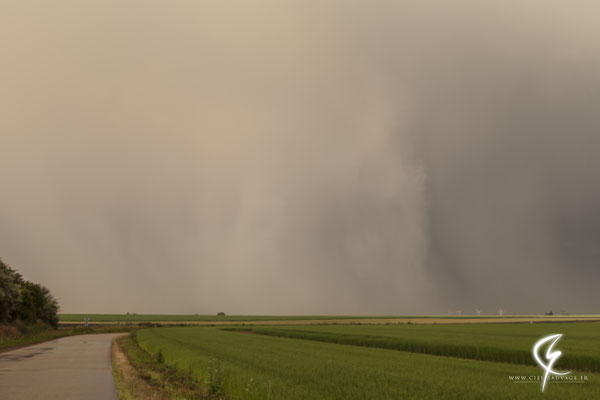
(139, 375)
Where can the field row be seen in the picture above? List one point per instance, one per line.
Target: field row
(510, 343)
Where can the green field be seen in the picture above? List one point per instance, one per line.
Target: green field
(197, 318)
(257, 366)
(239, 318)
(492, 342)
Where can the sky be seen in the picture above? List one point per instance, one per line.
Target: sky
(293, 157)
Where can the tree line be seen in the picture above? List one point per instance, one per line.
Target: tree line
(25, 301)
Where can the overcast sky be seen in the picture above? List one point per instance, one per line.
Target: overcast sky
(286, 157)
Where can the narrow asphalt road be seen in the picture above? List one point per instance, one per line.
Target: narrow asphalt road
(75, 367)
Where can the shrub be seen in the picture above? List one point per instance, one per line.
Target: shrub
(215, 376)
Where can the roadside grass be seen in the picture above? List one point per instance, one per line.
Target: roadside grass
(510, 343)
(38, 334)
(140, 376)
(128, 382)
(256, 367)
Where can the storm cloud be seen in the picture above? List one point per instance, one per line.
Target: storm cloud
(341, 157)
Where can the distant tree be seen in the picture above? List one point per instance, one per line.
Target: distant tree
(221, 314)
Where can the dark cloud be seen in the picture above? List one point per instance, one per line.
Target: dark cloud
(400, 157)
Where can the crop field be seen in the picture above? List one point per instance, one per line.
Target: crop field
(261, 366)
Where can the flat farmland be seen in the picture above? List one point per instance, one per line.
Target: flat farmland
(216, 318)
(260, 366)
(310, 319)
